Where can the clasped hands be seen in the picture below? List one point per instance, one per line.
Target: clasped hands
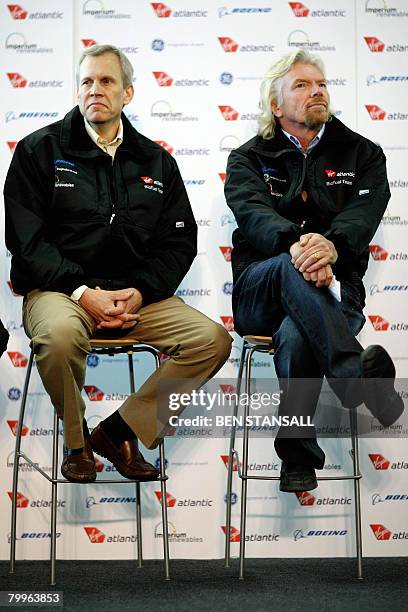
(112, 309)
(313, 255)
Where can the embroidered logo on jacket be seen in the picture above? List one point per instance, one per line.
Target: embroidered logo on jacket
(152, 184)
(64, 170)
(341, 177)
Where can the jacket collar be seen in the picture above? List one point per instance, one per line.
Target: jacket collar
(76, 142)
(335, 131)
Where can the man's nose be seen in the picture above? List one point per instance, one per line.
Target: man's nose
(315, 91)
(95, 89)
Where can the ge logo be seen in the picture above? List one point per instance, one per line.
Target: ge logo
(226, 78)
(157, 463)
(234, 498)
(158, 44)
(92, 361)
(227, 288)
(14, 394)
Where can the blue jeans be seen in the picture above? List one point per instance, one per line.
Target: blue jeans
(313, 336)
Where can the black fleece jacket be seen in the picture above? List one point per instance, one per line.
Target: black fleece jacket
(73, 217)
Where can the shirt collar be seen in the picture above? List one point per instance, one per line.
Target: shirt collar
(311, 144)
(101, 141)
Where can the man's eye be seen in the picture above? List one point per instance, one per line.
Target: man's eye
(324, 85)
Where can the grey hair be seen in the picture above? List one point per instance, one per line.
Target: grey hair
(126, 67)
(271, 87)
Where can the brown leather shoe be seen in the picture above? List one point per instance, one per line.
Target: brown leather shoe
(79, 467)
(126, 457)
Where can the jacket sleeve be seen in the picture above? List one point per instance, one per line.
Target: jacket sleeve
(175, 241)
(353, 228)
(27, 195)
(250, 200)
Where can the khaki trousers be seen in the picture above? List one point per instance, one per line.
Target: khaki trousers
(60, 330)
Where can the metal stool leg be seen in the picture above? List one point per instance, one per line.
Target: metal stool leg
(137, 486)
(231, 462)
(244, 488)
(357, 498)
(17, 465)
(164, 510)
(54, 485)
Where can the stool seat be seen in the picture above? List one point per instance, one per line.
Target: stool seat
(112, 342)
(259, 339)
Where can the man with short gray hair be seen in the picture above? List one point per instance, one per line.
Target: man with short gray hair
(308, 195)
(101, 234)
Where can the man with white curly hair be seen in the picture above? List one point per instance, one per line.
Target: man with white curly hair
(308, 194)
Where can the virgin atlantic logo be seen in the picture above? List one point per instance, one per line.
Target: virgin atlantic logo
(299, 9)
(378, 322)
(228, 44)
(17, 12)
(374, 44)
(378, 253)
(376, 113)
(165, 145)
(161, 9)
(381, 533)
(163, 79)
(379, 461)
(234, 535)
(95, 535)
(16, 80)
(229, 113)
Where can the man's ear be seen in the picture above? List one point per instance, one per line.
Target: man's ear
(276, 109)
(128, 94)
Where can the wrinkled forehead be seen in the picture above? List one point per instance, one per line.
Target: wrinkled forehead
(106, 64)
(306, 72)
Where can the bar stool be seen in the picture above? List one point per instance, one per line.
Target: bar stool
(263, 344)
(101, 347)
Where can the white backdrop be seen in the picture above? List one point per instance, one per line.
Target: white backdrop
(198, 67)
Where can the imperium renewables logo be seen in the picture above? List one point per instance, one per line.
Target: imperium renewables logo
(161, 109)
(381, 8)
(16, 41)
(98, 10)
(301, 39)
